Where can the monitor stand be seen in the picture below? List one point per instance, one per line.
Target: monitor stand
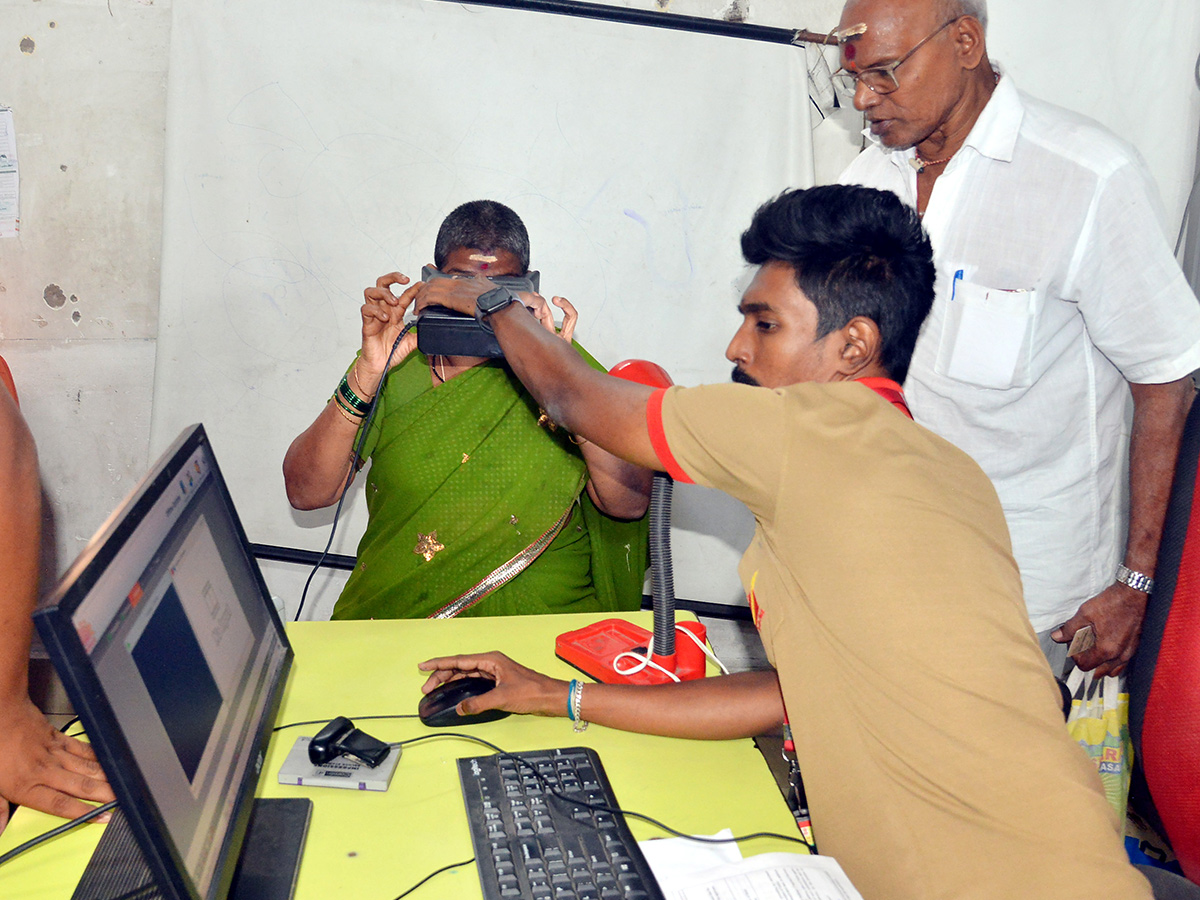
(266, 870)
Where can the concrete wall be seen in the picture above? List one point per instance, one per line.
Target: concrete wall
(79, 285)
(86, 81)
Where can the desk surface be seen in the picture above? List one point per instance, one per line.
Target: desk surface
(378, 845)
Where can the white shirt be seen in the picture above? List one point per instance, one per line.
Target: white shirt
(1055, 286)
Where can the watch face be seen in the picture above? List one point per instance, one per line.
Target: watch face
(495, 299)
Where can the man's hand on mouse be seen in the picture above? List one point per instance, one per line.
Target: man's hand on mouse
(518, 689)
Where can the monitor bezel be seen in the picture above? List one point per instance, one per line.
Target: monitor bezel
(71, 661)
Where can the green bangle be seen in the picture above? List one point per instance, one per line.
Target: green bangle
(357, 403)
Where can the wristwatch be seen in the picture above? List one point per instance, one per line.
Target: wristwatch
(495, 299)
(1136, 580)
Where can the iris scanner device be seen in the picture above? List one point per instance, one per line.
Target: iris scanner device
(445, 332)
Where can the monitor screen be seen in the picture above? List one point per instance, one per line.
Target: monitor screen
(170, 648)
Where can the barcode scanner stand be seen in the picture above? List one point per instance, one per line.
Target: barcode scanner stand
(618, 652)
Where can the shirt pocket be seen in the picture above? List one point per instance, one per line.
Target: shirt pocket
(986, 337)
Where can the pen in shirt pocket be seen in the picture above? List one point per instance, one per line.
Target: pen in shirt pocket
(958, 276)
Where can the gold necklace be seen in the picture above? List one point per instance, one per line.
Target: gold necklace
(921, 164)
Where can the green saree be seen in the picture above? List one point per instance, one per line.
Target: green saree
(474, 508)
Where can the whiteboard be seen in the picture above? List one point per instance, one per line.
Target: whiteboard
(311, 149)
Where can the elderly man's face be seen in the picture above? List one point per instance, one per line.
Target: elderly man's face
(930, 80)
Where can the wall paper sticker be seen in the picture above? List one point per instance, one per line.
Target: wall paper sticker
(10, 214)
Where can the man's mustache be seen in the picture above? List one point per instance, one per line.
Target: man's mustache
(741, 376)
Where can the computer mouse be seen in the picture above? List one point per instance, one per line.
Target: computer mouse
(437, 708)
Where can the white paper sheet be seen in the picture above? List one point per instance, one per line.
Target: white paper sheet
(10, 193)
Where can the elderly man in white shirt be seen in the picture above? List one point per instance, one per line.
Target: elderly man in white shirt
(1058, 300)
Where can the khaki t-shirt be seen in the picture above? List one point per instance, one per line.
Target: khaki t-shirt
(928, 727)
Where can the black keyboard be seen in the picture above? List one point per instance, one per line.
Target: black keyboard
(533, 845)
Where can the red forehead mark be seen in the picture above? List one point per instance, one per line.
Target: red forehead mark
(484, 265)
(848, 51)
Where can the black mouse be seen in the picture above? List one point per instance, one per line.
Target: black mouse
(437, 708)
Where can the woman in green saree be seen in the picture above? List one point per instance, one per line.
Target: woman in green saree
(478, 504)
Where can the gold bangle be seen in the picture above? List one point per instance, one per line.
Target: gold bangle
(356, 421)
(346, 407)
(576, 440)
(354, 375)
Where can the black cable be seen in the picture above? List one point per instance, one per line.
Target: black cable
(555, 792)
(355, 718)
(671, 21)
(362, 440)
(55, 832)
(431, 874)
(603, 807)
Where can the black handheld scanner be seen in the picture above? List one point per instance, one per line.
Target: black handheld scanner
(445, 332)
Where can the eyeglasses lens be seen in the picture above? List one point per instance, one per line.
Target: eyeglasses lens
(878, 80)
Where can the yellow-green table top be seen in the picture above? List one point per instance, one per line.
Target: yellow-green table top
(374, 845)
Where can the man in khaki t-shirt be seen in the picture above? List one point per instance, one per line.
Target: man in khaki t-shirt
(927, 723)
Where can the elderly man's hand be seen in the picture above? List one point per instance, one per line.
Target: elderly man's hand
(518, 689)
(1115, 615)
(45, 770)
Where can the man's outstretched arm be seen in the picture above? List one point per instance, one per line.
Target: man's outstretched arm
(722, 708)
(610, 412)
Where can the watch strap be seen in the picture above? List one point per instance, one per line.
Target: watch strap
(1139, 581)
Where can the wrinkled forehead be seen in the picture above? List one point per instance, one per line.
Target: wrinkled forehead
(876, 32)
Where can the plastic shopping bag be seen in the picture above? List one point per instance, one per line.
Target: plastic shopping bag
(1099, 721)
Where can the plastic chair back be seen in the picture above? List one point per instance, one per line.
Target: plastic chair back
(1164, 676)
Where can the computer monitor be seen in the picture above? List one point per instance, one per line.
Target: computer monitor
(167, 642)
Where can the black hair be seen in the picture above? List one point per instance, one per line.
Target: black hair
(856, 252)
(482, 225)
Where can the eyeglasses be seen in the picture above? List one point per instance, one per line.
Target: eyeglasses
(879, 79)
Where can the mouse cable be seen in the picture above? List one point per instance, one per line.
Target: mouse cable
(364, 430)
(465, 862)
(616, 810)
(602, 807)
(55, 832)
(354, 718)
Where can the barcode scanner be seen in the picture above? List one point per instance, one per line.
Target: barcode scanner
(341, 738)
